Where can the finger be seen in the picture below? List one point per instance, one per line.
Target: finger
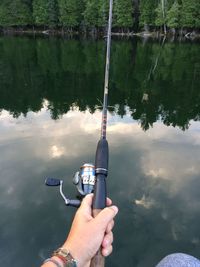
(110, 226)
(107, 240)
(87, 202)
(86, 205)
(108, 202)
(105, 216)
(107, 251)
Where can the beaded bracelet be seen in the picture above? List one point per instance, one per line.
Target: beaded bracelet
(53, 261)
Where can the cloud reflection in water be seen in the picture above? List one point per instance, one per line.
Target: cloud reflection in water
(154, 178)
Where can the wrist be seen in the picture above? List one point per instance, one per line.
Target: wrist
(65, 256)
(60, 262)
(74, 251)
(53, 262)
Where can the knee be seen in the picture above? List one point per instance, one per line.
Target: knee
(180, 260)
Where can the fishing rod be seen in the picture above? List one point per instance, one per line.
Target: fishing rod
(102, 152)
(92, 178)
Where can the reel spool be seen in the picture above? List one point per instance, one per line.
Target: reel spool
(84, 181)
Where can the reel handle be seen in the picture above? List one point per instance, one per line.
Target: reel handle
(52, 182)
(74, 203)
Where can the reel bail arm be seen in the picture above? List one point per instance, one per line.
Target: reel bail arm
(57, 182)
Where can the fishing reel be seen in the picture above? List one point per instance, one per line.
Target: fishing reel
(84, 180)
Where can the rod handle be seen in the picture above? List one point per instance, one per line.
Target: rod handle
(101, 159)
(98, 260)
(99, 203)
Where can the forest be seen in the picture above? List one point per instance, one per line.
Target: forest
(91, 15)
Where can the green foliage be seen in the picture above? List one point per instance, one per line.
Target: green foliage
(53, 14)
(40, 12)
(103, 11)
(197, 15)
(123, 11)
(147, 12)
(15, 13)
(45, 12)
(94, 13)
(4, 15)
(91, 13)
(173, 16)
(188, 12)
(70, 12)
(161, 13)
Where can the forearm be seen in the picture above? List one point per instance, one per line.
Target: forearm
(58, 263)
(86, 236)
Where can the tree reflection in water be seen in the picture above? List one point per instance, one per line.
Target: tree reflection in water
(69, 73)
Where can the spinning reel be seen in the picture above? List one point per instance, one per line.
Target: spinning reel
(84, 180)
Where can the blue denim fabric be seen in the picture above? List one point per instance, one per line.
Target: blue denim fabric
(179, 260)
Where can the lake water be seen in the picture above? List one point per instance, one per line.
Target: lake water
(50, 112)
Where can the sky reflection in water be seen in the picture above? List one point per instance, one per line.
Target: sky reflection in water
(153, 178)
(154, 174)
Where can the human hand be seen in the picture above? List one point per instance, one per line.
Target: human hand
(88, 234)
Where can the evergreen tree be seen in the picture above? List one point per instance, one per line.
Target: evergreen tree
(70, 12)
(4, 14)
(173, 16)
(94, 13)
(45, 12)
(53, 14)
(136, 14)
(15, 13)
(147, 12)
(188, 13)
(197, 15)
(40, 12)
(161, 11)
(103, 11)
(91, 13)
(123, 11)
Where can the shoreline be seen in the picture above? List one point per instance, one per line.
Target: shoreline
(97, 34)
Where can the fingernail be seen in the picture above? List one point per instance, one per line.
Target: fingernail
(105, 253)
(115, 209)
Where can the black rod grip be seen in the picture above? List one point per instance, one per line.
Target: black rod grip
(101, 160)
(100, 192)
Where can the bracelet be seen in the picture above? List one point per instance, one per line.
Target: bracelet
(61, 258)
(53, 261)
(65, 256)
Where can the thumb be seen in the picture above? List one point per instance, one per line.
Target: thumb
(86, 204)
(105, 216)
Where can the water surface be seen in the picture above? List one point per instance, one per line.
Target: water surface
(50, 103)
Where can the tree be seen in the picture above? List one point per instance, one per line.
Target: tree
(173, 16)
(103, 11)
(188, 13)
(197, 15)
(91, 13)
(53, 13)
(4, 15)
(40, 12)
(123, 11)
(15, 13)
(70, 12)
(45, 12)
(147, 13)
(161, 15)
